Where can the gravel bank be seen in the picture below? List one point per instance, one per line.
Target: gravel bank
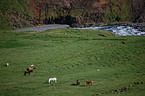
(43, 28)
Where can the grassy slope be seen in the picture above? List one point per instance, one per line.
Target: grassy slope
(68, 55)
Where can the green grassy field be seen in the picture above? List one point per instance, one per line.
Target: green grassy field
(68, 55)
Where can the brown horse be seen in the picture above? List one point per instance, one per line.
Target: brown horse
(88, 82)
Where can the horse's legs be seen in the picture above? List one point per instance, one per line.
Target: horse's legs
(25, 73)
(92, 83)
(29, 72)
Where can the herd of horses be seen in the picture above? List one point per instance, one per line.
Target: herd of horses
(30, 69)
(88, 82)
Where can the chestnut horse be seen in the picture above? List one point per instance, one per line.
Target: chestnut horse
(88, 82)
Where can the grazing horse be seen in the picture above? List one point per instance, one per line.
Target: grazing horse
(78, 82)
(52, 79)
(7, 64)
(88, 82)
(30, 69)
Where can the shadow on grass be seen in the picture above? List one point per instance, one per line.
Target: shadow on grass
(78, 85)
(51, 83)
(46, 82)
(82, 85)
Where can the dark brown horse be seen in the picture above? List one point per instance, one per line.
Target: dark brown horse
(30, 69)
(78, 82)
(88, 82)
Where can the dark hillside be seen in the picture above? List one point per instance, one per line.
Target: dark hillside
(138, 10)
(15, 14)
(23, 13)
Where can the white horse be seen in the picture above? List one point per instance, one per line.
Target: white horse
(7, 64)
(52, 79)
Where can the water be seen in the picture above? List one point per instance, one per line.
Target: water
(120, 30)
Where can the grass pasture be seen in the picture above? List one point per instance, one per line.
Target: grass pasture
(68, 55)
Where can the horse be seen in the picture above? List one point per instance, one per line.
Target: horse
(88, 82)
(25, 72)
(78, 82)
(52, 79)
(7, 64)
(30, 69)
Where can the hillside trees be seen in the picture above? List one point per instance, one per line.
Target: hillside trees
(24, 13)
(59, 11)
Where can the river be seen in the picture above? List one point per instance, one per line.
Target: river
(119, 29)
